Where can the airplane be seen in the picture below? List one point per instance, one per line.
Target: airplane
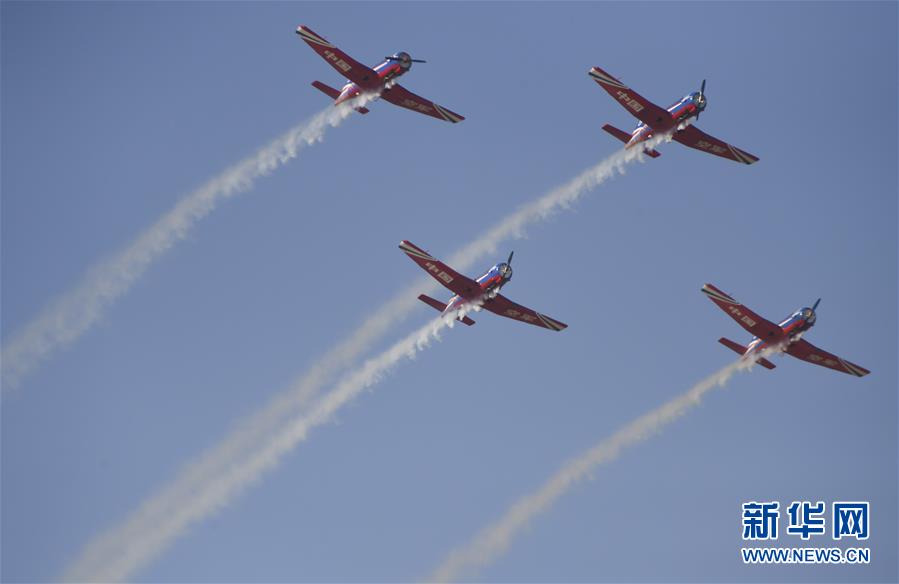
(788, 333)
(484, 290)
(381, 79)
(654, 119)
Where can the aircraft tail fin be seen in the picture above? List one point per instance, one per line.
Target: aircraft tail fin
(440, 307)
(741, 350)
(334, 94)
(625, 137)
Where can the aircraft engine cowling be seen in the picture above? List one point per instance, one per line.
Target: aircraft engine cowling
(404, 59)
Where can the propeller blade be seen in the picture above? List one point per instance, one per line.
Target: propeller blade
(701, 97)
(395, 58)
(816, 304)
(509, 261)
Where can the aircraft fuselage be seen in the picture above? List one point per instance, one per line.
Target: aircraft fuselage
(390, 69)
(490, 283)
(688, 107)
(791, 328)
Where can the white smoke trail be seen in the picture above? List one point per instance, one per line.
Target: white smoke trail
(115, 556)
(496, 538)
(562, 197)
(72, 314)
(191, 490)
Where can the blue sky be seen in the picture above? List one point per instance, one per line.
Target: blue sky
(113, 111)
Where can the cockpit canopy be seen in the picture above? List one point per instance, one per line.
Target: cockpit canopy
(403, 58)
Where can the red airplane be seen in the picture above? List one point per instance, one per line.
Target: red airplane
(654, 119)
(380, 80)
(484, 290)
(788, 334)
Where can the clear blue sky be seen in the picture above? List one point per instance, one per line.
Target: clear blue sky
(112, 111)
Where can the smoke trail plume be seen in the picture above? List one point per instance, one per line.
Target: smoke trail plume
(562, 197)
(496, 538)
(72, 314)
(183, 495)
(115, 556)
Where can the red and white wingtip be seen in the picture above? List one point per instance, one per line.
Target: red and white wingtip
(414, 251)
(604, 78)
(551, 324)
(447, 115)
(716, 294)
(854, 369)
(310, 37)
(742, 156)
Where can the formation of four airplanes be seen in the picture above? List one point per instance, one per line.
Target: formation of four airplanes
(485, 291)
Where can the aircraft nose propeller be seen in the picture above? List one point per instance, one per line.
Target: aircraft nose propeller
(701, 99)
(509, 261)
(815, 305)
(408, 59)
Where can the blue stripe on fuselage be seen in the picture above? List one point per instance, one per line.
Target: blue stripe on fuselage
(389, 69)
(682, 108)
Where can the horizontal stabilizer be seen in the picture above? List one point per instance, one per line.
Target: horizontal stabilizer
(432, 302)
(334, 94)
(326, 89)
(620, 134)
(766, 363)
(440, 307)
(735, 347)
(625, 137)
(741, 350)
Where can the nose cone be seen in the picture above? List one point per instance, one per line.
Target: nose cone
(809, 315)
(403, 58)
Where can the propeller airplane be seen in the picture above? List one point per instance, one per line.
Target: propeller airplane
(654, 119)
(379, 80)
(788, 334)
(483, 292)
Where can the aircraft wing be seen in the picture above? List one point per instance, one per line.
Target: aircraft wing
(399, 95)
(456, 282)
(808, 352)
(344, 64)
(695, 138)
(755, 324)
(504, 307)
(639, 107)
